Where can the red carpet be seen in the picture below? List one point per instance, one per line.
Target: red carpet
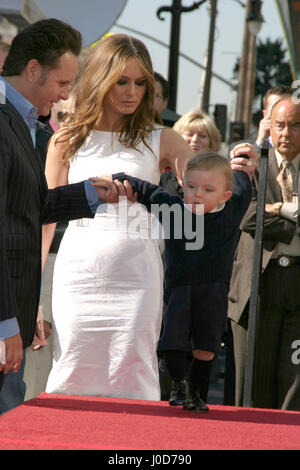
(69, 422)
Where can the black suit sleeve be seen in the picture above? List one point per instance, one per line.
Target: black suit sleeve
(241, 192)
(66, 203)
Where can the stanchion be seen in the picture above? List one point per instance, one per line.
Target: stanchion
(256, 275)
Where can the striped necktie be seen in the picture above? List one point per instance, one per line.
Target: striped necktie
(286, 181)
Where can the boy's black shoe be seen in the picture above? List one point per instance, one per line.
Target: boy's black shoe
(195, 402)
(178, 393)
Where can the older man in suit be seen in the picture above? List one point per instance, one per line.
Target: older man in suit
(38, 71)
(278, 328)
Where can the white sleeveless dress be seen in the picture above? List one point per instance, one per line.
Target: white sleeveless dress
(107, 285)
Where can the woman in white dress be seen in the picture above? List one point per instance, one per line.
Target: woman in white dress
(107, 285)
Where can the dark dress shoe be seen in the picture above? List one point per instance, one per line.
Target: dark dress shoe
(195, 403)
(178, 393)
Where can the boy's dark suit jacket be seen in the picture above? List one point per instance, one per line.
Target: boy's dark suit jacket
(25, 204)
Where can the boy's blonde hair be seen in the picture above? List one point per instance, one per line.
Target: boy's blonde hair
(212, 161)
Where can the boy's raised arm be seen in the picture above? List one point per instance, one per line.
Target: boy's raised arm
(146, 193)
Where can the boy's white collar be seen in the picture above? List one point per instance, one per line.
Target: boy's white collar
(218, 208)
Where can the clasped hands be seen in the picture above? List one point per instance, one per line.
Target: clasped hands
(110, 191)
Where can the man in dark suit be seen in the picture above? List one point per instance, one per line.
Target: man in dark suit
(278, 327)
(38, 71)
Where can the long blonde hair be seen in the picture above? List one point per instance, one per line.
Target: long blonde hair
(101, 70)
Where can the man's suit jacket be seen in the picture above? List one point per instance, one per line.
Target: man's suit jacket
(25, 204)
(276, 229)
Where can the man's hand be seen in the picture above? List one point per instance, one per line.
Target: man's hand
(14, 354)
(244, 164)
(274, 209)
(106, 189)
(263, 130)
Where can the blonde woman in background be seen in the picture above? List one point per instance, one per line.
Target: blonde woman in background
(107, 284)
(200, 131)
(202, 135)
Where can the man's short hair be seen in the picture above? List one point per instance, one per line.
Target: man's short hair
(46, 41)
(284, 98)
(280, 90)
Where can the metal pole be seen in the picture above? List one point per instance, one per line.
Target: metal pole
(256, 275)
(201, 92)
(246, 85)
(174, 52)
(176, 11)
(242, 85)
(250, 80)
(210, 49)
